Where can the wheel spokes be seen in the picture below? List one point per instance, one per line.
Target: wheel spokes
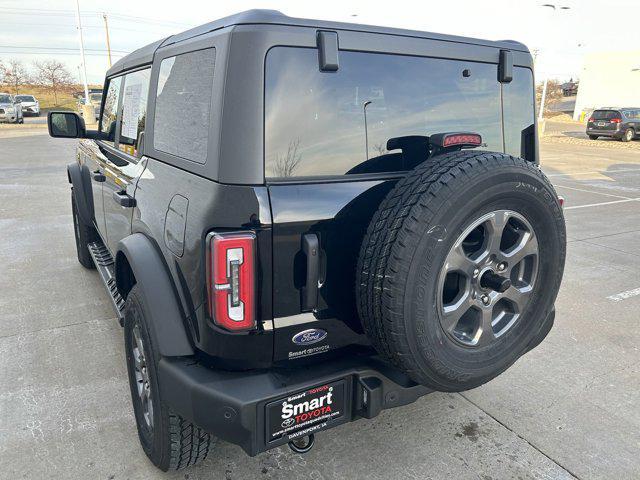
(485, 334)
(488, 277)
(528, 245)
(453, 313)
(496, 223)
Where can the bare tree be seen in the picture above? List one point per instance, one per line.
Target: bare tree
(381, 148)
(286, 164)
(15, 75)
(54, 76)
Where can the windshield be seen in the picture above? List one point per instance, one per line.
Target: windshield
(25, 98)
(95, 97)
(5, 99)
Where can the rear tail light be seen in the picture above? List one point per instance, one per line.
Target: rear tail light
(616, 120)
(231, 279)
(591, 119)
(561, 201)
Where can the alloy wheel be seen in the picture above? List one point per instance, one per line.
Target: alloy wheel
(141, 372)
(487, 278)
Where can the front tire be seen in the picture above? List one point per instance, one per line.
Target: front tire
(170, 441)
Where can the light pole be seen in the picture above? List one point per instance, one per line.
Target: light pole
(555, 8)
(106, 28)
(366, 131)
(84, 65)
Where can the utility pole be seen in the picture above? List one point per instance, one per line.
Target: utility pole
(555, 9)
(106, 28)
(84, 65)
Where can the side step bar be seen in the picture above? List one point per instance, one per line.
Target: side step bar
(106, 268)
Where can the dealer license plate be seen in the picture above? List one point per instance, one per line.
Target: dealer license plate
(306, 412)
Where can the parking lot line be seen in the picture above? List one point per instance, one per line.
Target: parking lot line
(601, 203)
(624, 295)
(594, 192)
(601, 172)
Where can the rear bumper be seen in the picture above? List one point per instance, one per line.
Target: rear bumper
(604, 133)
(233, 405)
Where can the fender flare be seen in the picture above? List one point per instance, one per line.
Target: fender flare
(80, 178)
(154, 281)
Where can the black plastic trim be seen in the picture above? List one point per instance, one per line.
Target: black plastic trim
(80, 178)
(328, 51)
(167, 326)
(232, 405)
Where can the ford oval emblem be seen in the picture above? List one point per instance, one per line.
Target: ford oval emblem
(307, 337)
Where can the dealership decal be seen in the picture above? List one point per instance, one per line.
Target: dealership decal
(306, 411)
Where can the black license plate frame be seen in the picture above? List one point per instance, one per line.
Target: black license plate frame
(306, 411)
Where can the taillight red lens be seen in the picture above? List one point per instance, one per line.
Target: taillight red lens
(615, 120)
(463, 139)
(231, 279)
(591, 119)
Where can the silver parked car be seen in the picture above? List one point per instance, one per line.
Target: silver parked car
(10, 109)
(30, 104)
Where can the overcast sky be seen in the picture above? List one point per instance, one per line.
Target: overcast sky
(37, 29)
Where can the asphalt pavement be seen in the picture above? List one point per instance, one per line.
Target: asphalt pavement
(568, 409)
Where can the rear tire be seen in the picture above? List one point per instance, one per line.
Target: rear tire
(628, 135)
(84, 235)
(593, 137)
(407, 250)
(170, 441)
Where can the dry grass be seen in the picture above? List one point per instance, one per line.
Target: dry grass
(66, 100)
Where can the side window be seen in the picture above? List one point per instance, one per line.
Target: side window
(519, 111)
(110, 110)
(183, 105)
(134, 111)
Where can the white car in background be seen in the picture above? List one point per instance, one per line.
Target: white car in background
(30, 105)
(10, 109)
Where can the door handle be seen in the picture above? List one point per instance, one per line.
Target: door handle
(124, 200)
(98, 176)
(311, 248)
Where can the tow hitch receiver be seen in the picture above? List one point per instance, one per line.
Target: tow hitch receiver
(302, 444)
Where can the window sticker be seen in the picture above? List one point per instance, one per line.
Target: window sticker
(131, 110)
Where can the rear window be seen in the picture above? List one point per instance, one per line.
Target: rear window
(336, 123)
(183, 105)
(605, 114)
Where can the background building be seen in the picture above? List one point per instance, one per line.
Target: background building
(609, 79)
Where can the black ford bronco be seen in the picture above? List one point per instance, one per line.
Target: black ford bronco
(301, 223)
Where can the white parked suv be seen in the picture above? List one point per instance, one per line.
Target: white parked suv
(30, 104)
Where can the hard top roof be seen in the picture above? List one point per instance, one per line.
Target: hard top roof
(144, 55)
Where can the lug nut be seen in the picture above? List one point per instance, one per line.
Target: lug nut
(485, 299)
(476, 272)
(502, 266)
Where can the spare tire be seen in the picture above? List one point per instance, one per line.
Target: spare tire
(460, 267)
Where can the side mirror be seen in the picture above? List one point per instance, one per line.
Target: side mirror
(65, 125)
(70, 125)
